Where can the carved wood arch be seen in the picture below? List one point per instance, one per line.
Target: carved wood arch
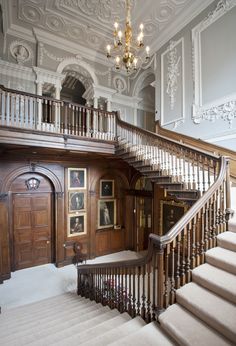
(6, 183)
(105, 172)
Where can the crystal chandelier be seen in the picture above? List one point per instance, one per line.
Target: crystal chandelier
(124, 49)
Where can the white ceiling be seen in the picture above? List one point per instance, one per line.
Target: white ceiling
(89, 23)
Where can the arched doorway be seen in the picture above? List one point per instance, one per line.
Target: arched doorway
(32, 235)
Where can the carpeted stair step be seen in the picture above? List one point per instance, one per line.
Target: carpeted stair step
(66, 331)
(188, 330)
(88, 336)
(232, 226)
(150, 335)
(227, 240)
(222, 258)
(216, 280)
(116, 333)
(44, 314)
(40, 305)
(44, 327)
(217, 312)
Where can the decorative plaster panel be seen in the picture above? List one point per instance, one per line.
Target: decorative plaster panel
(223, 107)
(173, 84)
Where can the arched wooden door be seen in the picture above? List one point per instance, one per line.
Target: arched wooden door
(32, 221)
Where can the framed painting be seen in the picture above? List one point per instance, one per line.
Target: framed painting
(77, 178)
(107, 188)
(77, 225)
(170, 213)
(106, 213)
(77, 201)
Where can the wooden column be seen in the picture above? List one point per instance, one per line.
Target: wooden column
(5, 266)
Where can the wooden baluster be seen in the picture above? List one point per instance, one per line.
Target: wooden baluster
(154, 285)
(172, 272)
(193, 171)
(209, 172)
(214, 216)
(166, 283)
(134, 293)
(203, 175)
(202, 243)
(143, 309)
(223, 207)
(193, 258)
(198, 172)
(207, 236)
(130, 294)
(123, 291)
(138, 291)
(160, 281)
(178, 261)
(189, 170)
(148, 315)
(188, 258)
(183, 261)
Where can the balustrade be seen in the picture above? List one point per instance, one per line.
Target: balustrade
(33, 112)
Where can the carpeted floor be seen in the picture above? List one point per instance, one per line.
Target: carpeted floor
(37, 283)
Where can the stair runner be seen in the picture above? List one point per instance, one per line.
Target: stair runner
(204, 314)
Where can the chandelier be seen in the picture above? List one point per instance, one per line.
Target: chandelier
(125, 47)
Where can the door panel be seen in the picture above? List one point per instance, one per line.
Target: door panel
(32, 229)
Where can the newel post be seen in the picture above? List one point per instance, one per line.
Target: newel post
(228, 212)
(159, 248)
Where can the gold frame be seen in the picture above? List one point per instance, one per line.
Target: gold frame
(164, 204)
(112, 188)
(71, 195)
(79, 170)
(103, 224)
(69, 228)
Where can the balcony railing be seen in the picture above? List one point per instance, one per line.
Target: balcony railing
(28, 111)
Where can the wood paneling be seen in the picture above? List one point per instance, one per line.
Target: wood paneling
(108, 241)
(32, 234)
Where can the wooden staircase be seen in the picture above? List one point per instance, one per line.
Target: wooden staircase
(204, 313)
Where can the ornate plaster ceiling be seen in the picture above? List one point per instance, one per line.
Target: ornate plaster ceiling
(89, 23)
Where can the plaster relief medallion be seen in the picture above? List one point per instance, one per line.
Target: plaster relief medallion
(20, 51)
(54, 23)
(75, 32)
(119, 84)
(31, 13)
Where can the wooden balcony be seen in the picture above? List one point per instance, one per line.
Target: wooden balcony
(32, 120)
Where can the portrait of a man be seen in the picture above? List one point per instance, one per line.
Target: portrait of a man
(76, 225)
(76, 178)
(76, 201)
(171, 212)
(107, 188)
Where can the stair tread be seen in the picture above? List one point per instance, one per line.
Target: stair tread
(227, 240)
(150, 335)
(87, 336)
(121, 331)
(217, 280)
(222, 258)
(53, 324)
(219, 313)
(181, 328)
(232, 226)
(77, 328)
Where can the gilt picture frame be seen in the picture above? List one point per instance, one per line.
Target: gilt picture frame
(106, 213)
(77, 224)
(170, 213)
(106, 188)
(76, 201)
(77, 178)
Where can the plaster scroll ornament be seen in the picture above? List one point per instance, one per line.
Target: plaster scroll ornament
(225, 111)
(173, 72)
(21, 52)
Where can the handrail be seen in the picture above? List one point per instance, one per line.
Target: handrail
(154, 239)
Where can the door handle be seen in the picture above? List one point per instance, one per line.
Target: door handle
(48, 242)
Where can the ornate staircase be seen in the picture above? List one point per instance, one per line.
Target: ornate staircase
(204, 313)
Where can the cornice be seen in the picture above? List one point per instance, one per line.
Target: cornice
(18, 71)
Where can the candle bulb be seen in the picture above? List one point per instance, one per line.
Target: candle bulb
(147, 52)
(108, 51)
(119, 38)
(117, 60)
(141, 27)
(135, 63)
